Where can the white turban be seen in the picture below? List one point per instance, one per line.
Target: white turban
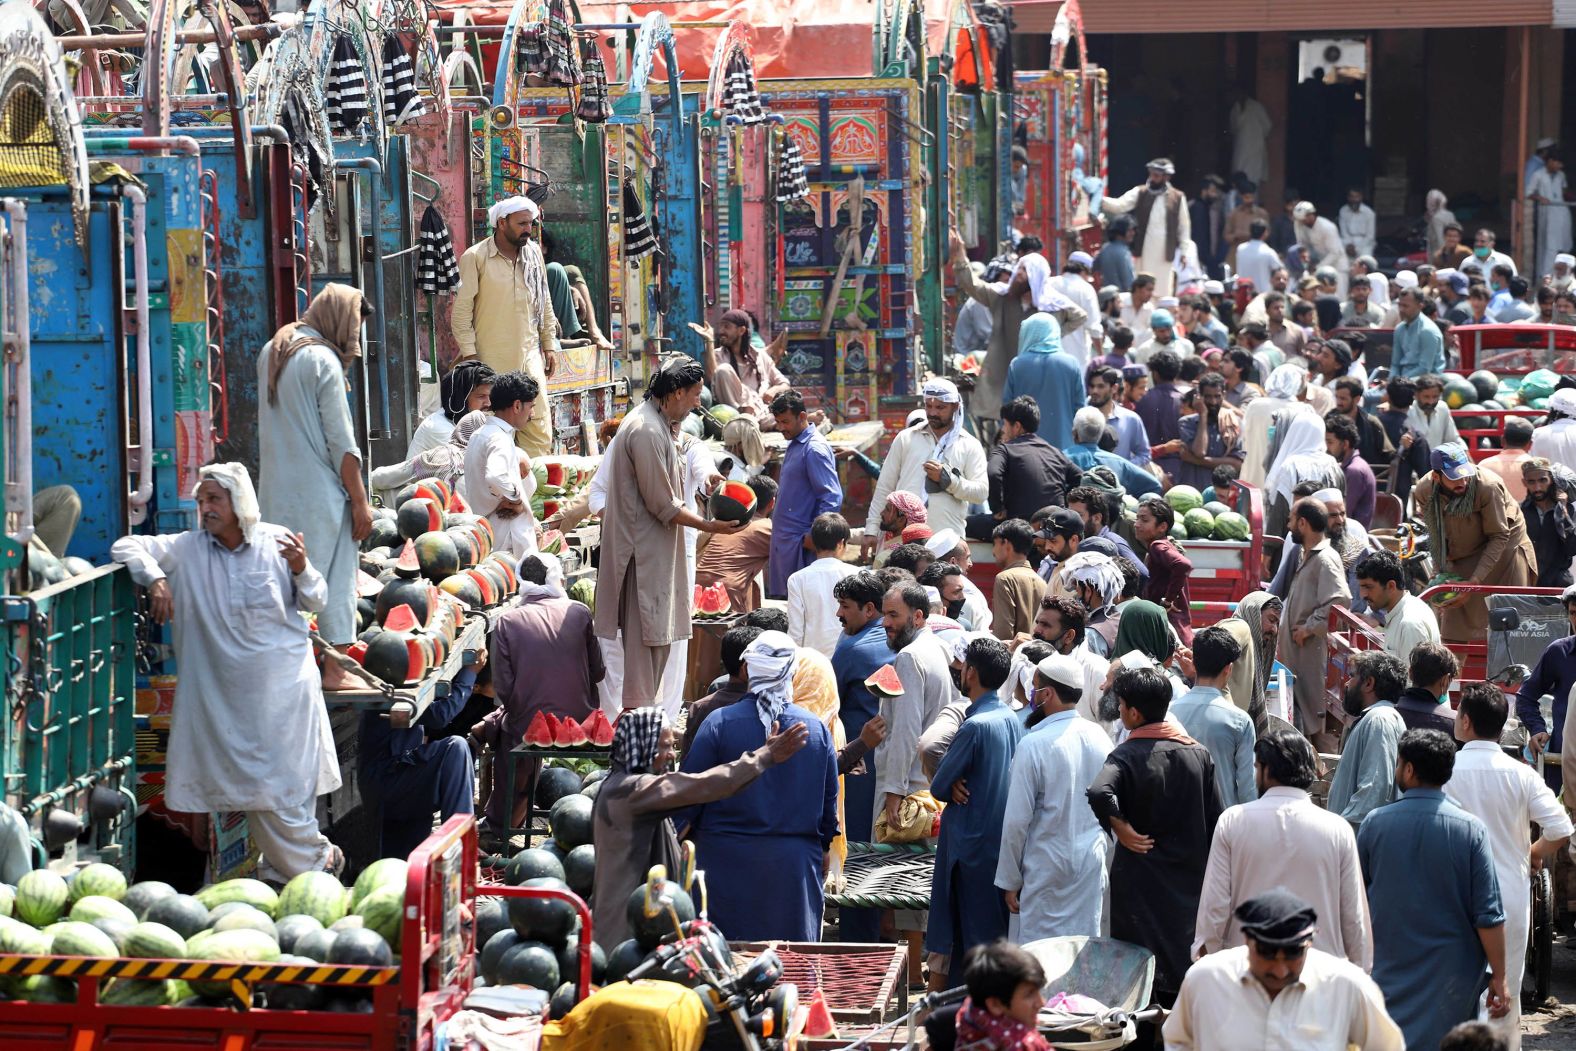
(770, 661)
(1324, 496)
(1286, 382)
(1565, 259)
(942, 390)
(1303, 209)
(942, 544)
(238, 483)
(1096, 570)
(509, 205)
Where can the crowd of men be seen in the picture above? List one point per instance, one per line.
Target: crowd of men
(1101, 764)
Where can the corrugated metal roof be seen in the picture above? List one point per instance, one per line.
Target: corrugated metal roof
(1250, 16)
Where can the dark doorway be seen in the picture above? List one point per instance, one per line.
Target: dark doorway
(1327, 149)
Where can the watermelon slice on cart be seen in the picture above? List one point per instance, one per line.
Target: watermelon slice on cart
(597, 729)
(538, 734)
(570, 735)
(712, 603)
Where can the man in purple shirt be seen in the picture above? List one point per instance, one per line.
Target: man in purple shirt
(1161, 411)
(1341, 438)
(807, 488)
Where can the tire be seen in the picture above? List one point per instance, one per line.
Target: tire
(1540, 943)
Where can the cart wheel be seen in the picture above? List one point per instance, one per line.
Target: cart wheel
(1540, 946)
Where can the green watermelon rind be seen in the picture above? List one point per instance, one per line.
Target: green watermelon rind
(386, 872)
(76, 938)
(253, 892)
(99, 880)
(383, 912)
(41, 897)
(97, 907)
(154, 941)
(315, 894)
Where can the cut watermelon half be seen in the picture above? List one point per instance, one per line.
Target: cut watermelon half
(598, 729)
(539, 734)
(570, 735)
(884, 682)
(733, 502)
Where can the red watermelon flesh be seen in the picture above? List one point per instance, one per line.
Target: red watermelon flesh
(552, 542)
(409, 565)
(539, 734)
(357, 651)
(598, 729)
(555, 472)
(570, 735)
(733, 502)
(401, 618)
(885, 681)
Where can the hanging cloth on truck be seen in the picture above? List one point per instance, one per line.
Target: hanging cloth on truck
(792, 182)
(740, 99)
(437, 270)
(401, 100)
(639, 240)
(347, 87)
(558, 36)
(594, 108)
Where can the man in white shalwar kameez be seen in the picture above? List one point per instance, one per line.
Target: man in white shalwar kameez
(1052, 866)
(1161, 230)
(1547, 189)
(308, 460)
(498, 481)
(1250, 133)
(249, 730)
(1321, 244)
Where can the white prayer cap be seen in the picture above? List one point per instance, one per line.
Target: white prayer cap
(1214, 288)
(509, 205)
(1324, 496)
(1564, 401)
(1062, 669)
(1565, 258)
(960, 642)
(1082, 258)
(942, 390)
(917, 416)
(1167, 302)
(941, 544)
(934, 594)
(1406, 279)
(1303, 209)
(1285, 382)
(238, 483)
(1544, 143)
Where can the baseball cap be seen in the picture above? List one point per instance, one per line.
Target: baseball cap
(1452, 460)
(1063, 522)
(1459, 283)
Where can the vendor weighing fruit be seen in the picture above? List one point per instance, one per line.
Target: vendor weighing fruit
(250, 731)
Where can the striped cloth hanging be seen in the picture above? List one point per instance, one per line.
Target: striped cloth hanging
(639, 240)
(347, 88)
(792, 181)
(740, 98)
(401, 100)
(437, 270)
(594, 108)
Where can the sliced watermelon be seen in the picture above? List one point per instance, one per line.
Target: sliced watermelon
(555, 472)
(569, 734)
(408, 566)
(552, 542)
(885, 682)
(539, 734)
(401, 618)
(598, 729)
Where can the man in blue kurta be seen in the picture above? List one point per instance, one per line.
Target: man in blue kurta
(1434, 896)
(1555, 673)
(1211, 719)
(861, 652)
(973, 779)
(808, 487)
(766, 847)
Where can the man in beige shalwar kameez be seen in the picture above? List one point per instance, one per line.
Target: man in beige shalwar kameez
(1318, 584)
(1484, 534)
(643, 579)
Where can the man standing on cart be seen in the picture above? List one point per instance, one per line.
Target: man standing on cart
(250, 732)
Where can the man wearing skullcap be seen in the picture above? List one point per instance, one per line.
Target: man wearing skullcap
(741, 374)
(937, 459)
(250, 731)
(1556, 439)
(1160, 216)
(1277, 990)
(1320, 241)
(503, 311)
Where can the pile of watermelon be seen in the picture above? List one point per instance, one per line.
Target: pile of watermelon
(536, 941)
(1198, 520)
(427, 536)
(315, 919)
(711, 602)
(547, 730)
(559, 479)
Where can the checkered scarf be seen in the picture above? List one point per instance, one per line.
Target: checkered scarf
(740, 98)
(792, 182)
(636, 739)
(401, 101)
(771, 660)
(639, 240)
(594, 106)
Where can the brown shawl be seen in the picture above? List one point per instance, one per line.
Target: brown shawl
(335, 315)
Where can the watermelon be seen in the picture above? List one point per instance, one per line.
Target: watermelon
(76, 938)
(243, 946)
(1485, 383)
(1216, 508)
(353, 922)
(569, 960)
(570, 821)
(22, 940)
(1199, 523)
(1474, 423)
(532, 863)
(554, 783)
(438, 555)
(246, 918)
(154, 941)
(733, 502)
(591, 789)
(292, 929)
(182, 913)
(1459, 392)
(583, 591)
(1232, 526)
(493, 951)
(294, 996)
(1184, 498)
(539, 734)
(415, 593)
(419, 516)
(884, 682)
(41, 897)
(7, 899)
(94, 907)
(622, 960)
(315, 894)
(1178, 531)
(43, 989)
(385, 533)
(542, 919)
(117, 929)
(395, 656)
(570, 735)
(563, 1000)
(100, 880)
(491, 917)
(598, 730)
(580, 869)
(462, 587)
(650, 930)
(711, 603)
(529, 963)
(383, 912)
(362, 948)
(137, 992)
(551, 543)
(386, 872)
(253, 892)
(315, 945)
(219, 912)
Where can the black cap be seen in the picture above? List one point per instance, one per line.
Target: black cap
(1063, 522)
(1277, 919)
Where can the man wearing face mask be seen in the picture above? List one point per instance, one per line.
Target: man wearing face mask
(1365, 778)
(1487, 256)
(1160, 213)
(1061, 622)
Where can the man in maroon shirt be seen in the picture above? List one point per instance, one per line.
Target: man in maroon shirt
(1168, 566)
